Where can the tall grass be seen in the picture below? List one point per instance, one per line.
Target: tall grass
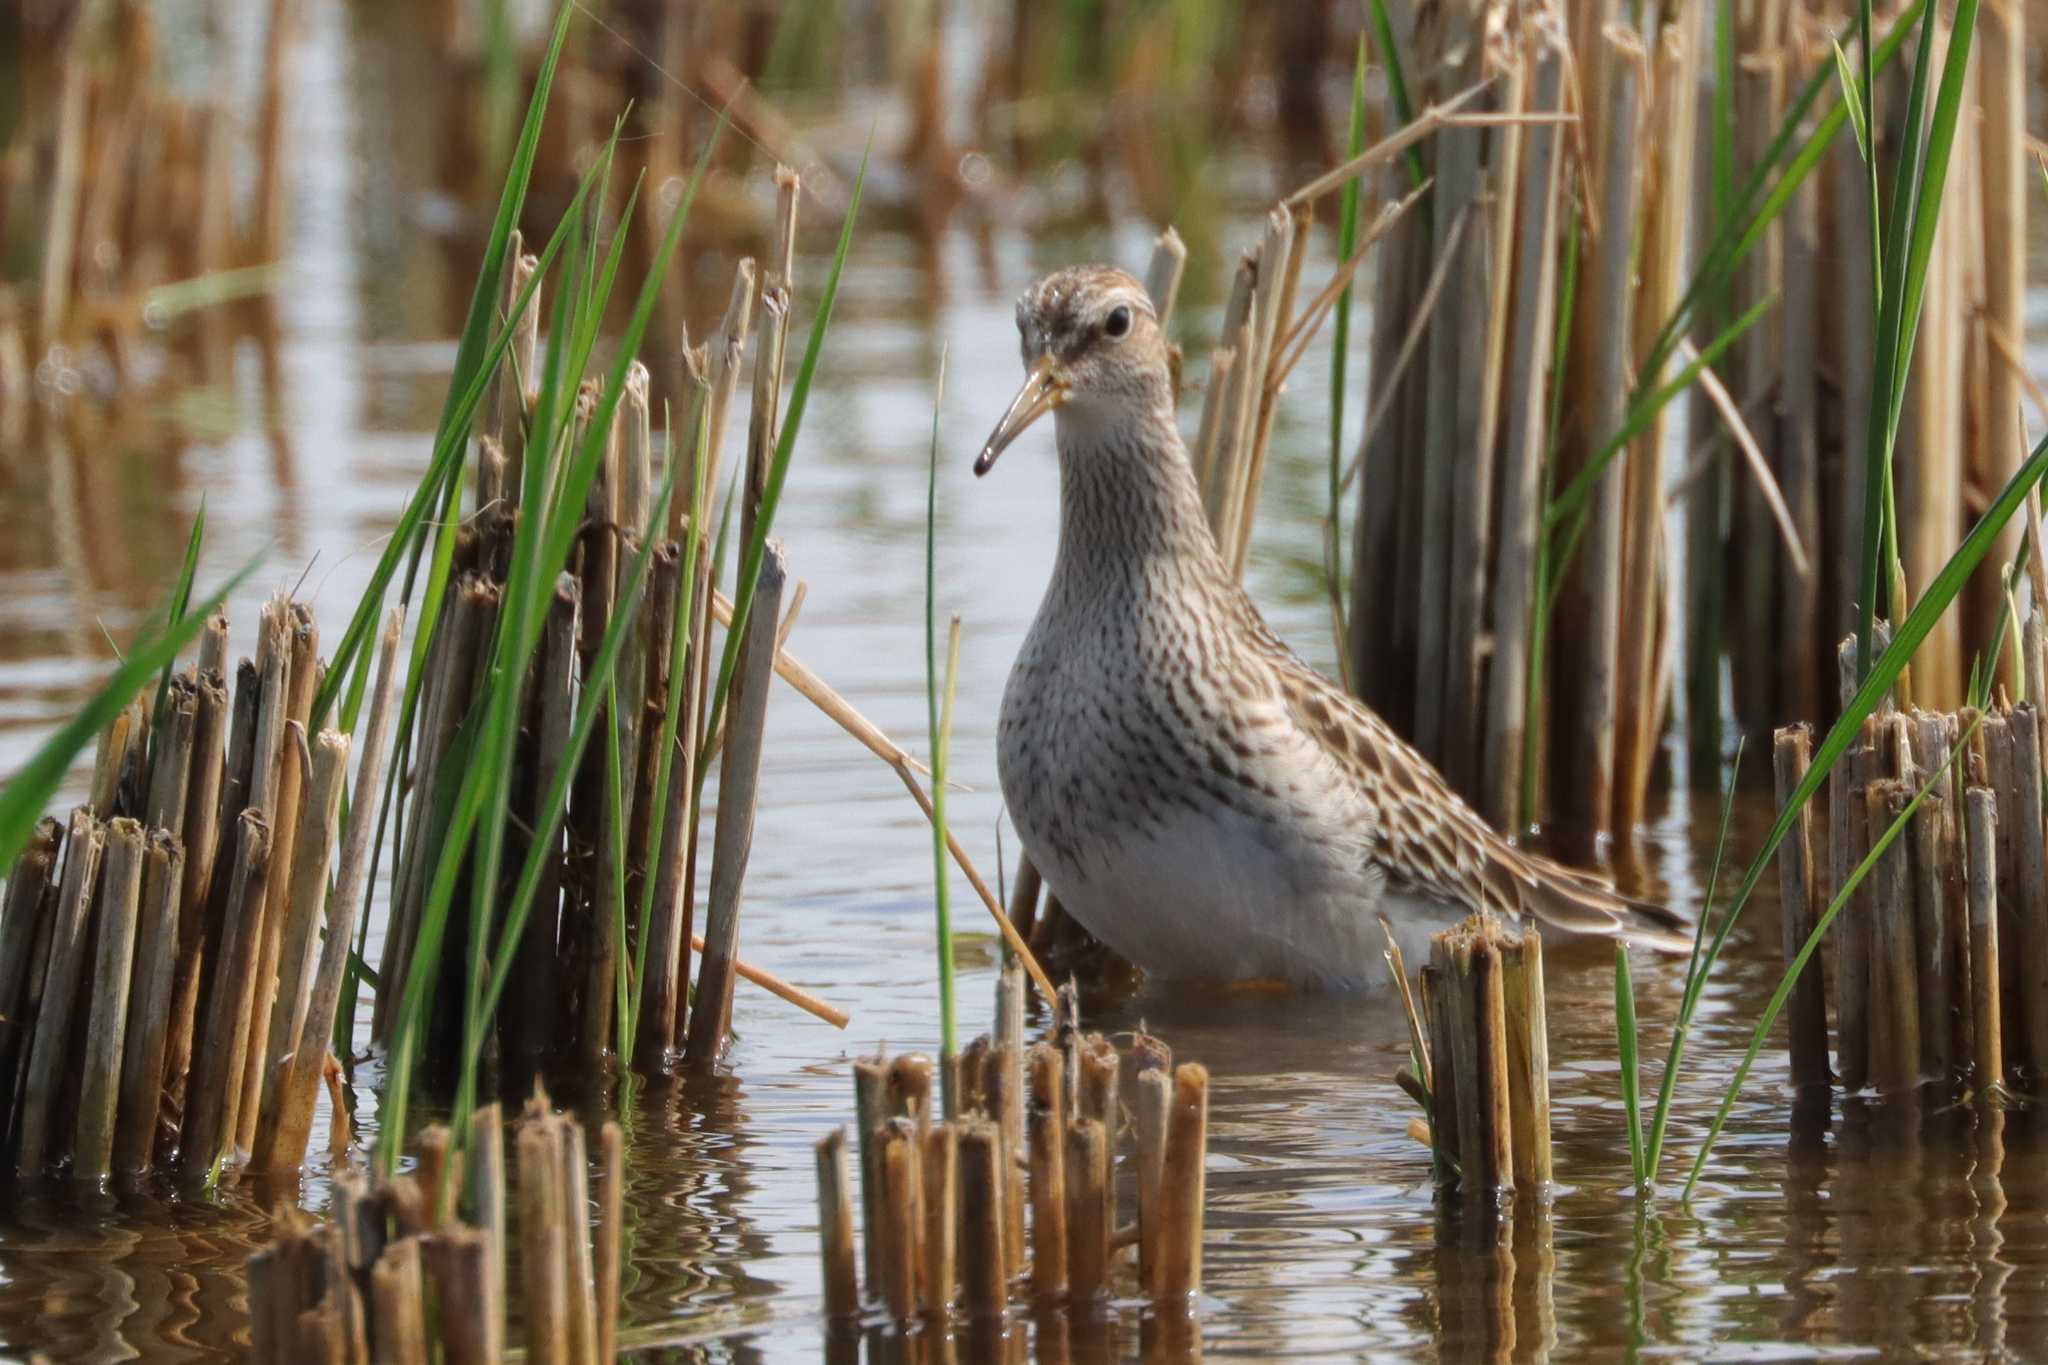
(1340, 367)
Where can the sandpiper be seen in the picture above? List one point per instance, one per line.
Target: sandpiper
(1199, 798)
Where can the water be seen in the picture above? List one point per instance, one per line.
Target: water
(1876, 1236)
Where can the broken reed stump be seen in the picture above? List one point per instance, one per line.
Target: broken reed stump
(935, 1207)
(1940, 972)
(393, 1274)
(1484, 1027)
(157, 954)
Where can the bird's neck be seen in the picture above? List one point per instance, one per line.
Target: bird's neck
(1129, 506)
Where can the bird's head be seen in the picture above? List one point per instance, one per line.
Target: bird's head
(1093, 353)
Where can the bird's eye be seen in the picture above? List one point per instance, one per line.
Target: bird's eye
(1118, 324)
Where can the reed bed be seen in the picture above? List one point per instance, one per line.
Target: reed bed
(1935, 845)
(166, 935)
(130, 204)
(414, 1267)
(945, 1236)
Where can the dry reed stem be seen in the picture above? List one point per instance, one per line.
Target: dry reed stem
(896, 1234)
(937, 1274)
(1986, 1008)
(538, 967)
(1930, 835)
(1589, 619)
(1527, 1021)
(1806, 1013)
(573, 1179)
(1524, 435)
(221, 1046)
(1046, 1126)
(1163, 275)
(471, 1319)
(114, 915)
(398, 1305)
(1426, 123)
(835, 1228)
(739, 775)
(543, 1258)
(297, 1087)
(1090, 1207)
(1182, 1187)
(24, 953)
(486, 1173)
(1149, 1119)
(148, 1006)
(984, 1269)
(1003, 1084)
(1895, 1016)
(206, 800)
(170, 777)
(305, 909)
(296, 761)
(49, 1049)
(870, 1078)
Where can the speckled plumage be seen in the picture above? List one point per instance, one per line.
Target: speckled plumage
(1198, 797)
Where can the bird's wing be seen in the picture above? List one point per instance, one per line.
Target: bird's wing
(1425, 836)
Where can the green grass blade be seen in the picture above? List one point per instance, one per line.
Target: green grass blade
(1695, 976)
(939, 732)
(28, 793)
(1397, 84)
(1631, 1082)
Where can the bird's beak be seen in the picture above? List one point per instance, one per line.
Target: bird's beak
(1042, 392)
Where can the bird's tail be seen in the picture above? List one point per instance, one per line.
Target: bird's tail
(1577, 902)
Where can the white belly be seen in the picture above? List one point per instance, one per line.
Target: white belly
(1219, 899)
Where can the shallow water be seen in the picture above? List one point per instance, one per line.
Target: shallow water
(1880, 1234)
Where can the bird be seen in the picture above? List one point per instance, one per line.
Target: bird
(1198, 797)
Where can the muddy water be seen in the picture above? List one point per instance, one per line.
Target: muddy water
(1879, 1233)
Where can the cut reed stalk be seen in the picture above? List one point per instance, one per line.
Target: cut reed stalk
(1469, 1053)
(1182, 1187)
(486, 1171)
(304, 908)
(49, 1050)
(1931, 838)
(1046, 1125)
(984, 1268)
(835, 1229)
(1895, 1016)
(118, 904)
(24, 924)
(2030, 916)
(1003, 1087)
(1149, 1121)
(1806, 1019)
(1528, 1061)
(1986, 1008)
(738, 777)
(170, 777)
(896, 1234)
(937, 1274)
(1089, 1206)
(870, 1083)
(218, 1057)
(543, 1259)
(295, 762)
(297, 1086)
